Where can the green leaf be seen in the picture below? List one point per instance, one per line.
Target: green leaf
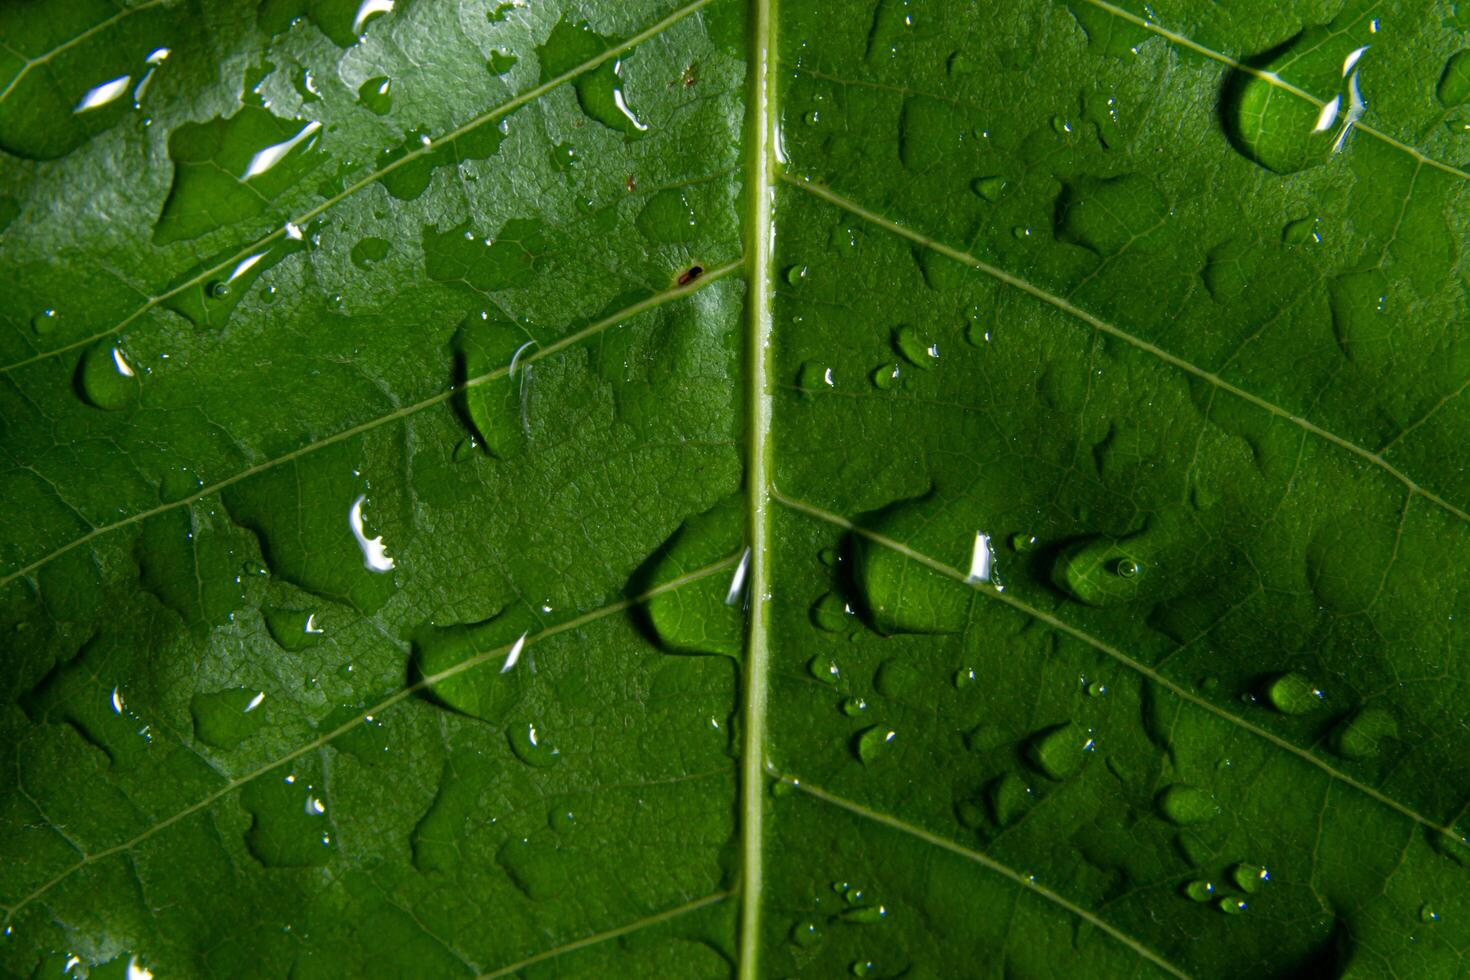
(722, 488)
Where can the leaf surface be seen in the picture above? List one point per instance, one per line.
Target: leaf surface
(919, 489)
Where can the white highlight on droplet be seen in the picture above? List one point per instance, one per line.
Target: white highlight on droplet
(374, 555)
(515, 654)
(737, 581)
(255, 702)
(622, 104)
(245, 266)
(1328, 115)
(369, 10)
(272, 155)
(980, 559)
(1356, 107)
(102, 94)
(315, 807)
(123, 367)
(1351, 60)
(137, 971)
(311, 626)
(117, 700)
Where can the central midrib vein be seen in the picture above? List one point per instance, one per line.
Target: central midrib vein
(760, 186)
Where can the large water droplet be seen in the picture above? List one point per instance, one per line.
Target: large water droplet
(293, 629)
(599, 91)
(1009, 797)
(469, 666)
(831, 613)
(105, 377)
(916, 348)
(496, 379)
(1104, 571)
(701, 616)
(1107, 33)
(1059, 752)
(233, 169)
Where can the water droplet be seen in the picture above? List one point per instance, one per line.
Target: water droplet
(224, 719)
(1426, 913)
(442, 655)
(1285, 133)
(1109, 214)
(289, 826)
(1060, 126)
(989, 188)
(853, 707)
(865, 914)
(564, 157)
(375, 556)
(540, 871)
(1009, 797)
(861, 968)
(599, 91)
(1454, 82)
(964, 677)
(815, 376)
(1103, 571)
(1107, 33)
(1292, 694)
(1361, 735)
(1249, 877)
(376, 94)
(1185, 805)
(1097, 689)
(501, 62)
(1232, 906)
(369, 250)
(293, 629)
(806, 934)
(1060, 751)
(44, 322)
(496, 387)
(706, 616)
(233, 169)
(886, 376)
(1302, 231)
(824, 669)
(916, 348)
(1199, 890)
(532, 746)
(106, 379)
(1358, 301)
(668, 217)
(363, 736)
(561, 820)
(795, 273)
(831, 613)
(874, 743)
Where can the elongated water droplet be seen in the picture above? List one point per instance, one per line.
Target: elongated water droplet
(1454, 82)
(1363, 733)
(1186, 805)
(916, 348)
(599, 91)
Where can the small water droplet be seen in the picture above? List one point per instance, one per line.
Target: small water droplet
(831, 613)
(806, 934)
(1232, 906)
(1199, 890)
(886, 376)
(964, 677)
(1060, 751)
(853, 707)
(815, 376)
(44, 322)
(1097, 689)
(1426, 913)
(1302, 231)
(501, 62)
(989, 188)
(824, 669)
(376, 94)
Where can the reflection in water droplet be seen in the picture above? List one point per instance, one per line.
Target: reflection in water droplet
(982, 557)
(853, 707)
(964, 677)
(293, 629)
(1009, 798)
(1302, 231)
(501, 62)
(668, 217)
(815, 376)
(374, 554)
(1427, 914)
(102, 94)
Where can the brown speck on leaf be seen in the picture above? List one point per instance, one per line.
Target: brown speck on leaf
(690, 77)
(690, 274)
(631, 184)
